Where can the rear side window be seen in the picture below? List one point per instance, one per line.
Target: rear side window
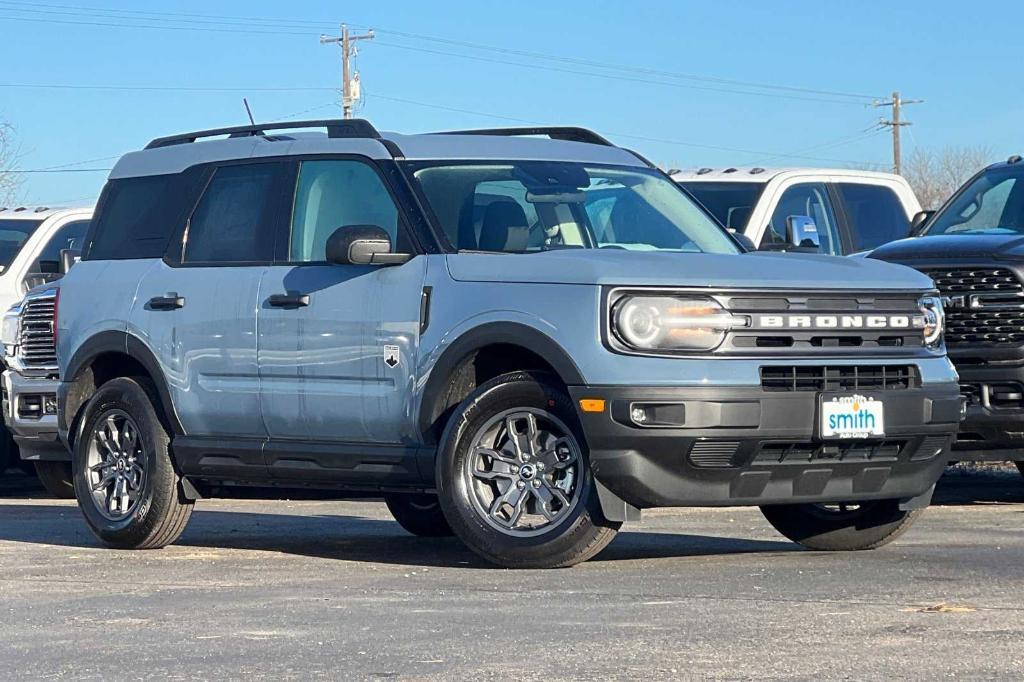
(135, 219)
(234, 221)
(876, 215)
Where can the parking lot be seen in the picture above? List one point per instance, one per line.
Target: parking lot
(321, 588)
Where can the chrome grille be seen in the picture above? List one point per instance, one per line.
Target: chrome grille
(37, 343)
(986, 306)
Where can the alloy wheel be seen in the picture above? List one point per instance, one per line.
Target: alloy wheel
(115, 460)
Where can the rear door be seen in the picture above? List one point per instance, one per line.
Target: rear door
(196, 309)
(337, 364)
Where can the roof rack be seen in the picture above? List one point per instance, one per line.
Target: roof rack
(1016, 158)
(568, 133)
(354, 127)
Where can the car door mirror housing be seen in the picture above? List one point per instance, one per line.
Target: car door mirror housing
(918, 222)
(745, 241)
(68, 257)
(802, 232)
(362, 245)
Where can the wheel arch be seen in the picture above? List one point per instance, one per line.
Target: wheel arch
(105, 356)
(480, 354)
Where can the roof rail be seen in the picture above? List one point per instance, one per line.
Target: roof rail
(354, 127)
(1016, 158)
(569, 133)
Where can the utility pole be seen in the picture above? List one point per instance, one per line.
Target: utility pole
(896, 123)
(349, 95)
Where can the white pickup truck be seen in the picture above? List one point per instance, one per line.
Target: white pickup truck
(36, 247)
(848, 210)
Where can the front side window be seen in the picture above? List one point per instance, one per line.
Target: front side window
(808, 199)
(992, 204)
(234, 221)
(531, 206)
(14, 234)
(876, 215)
(338, 193)
(730, 202)
(69, 236)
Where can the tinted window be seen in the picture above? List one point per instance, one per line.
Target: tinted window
(875, 213)
(333, 194)
(69, 236)
(992, 204)
(234, 221)
(13, 234)
(730, 202)
(811, 200)
(134, 219)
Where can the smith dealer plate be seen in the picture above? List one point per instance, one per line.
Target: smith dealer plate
(852, 416)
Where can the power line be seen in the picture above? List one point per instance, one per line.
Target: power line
(167, 88)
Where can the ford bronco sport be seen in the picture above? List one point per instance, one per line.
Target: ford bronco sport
(522, 341)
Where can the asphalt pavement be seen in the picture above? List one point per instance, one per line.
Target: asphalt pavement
(328, 589)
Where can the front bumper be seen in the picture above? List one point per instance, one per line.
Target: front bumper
(749, 446)
(993, 428)
(33, 427)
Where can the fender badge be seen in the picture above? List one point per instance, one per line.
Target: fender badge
(391, 356)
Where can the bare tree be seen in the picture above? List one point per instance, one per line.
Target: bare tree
(10, 182)
(936, 174)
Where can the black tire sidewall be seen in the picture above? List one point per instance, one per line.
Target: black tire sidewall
(418, 513)
(131, 397)
(513, 391)
(57, 478)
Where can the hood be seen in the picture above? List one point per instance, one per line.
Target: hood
(754, 270)
(952, 246)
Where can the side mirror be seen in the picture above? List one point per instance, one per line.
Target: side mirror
(68, 257)
(362, 245)
(917, 223)
(745, 241)
(802, 232)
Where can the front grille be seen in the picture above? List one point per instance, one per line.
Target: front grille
(713, 454)
(987, 309)
(37, 341)
(861, 450)
(839, 378)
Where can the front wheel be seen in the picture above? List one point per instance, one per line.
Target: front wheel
(126, 486)
(57, 478)
(513, 476)
(841, 527)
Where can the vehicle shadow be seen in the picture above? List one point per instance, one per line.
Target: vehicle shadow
(971, 486)
(348, 538)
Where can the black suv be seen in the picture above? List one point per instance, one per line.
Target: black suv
(973, 248)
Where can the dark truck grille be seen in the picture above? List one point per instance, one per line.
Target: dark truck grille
(986, 306)
(839, 378)
(37, 343)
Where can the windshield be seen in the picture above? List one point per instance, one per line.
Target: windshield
(530, 206)
(992, 204)
(730, 202)
(13, 234)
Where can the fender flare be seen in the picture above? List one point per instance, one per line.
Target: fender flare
(492, 333)
(123, 343)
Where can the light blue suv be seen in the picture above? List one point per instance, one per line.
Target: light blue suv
(520, 340)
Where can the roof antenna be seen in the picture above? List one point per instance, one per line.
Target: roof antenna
(245, 101)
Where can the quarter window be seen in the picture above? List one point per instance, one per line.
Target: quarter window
(234, 221)
(811, 200)
(876, 215)
(338, 193)
(134, 218)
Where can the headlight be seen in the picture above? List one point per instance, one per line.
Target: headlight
(668, 322)
(10, 328)
(934, 319)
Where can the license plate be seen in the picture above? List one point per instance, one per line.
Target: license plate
(852, 416)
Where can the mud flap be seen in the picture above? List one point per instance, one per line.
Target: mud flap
(920, 502)
(613, 507)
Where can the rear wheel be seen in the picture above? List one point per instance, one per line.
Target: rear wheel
(514, 479)
(418, 513)
(57, 478)
(125, 483)
(841, 527)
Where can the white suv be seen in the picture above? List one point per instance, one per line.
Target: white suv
(850, 211)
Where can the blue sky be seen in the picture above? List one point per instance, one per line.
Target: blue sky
(961, 62)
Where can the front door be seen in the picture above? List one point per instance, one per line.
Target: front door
(337, 343)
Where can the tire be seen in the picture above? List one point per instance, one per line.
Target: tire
(868, 526)
(496, 417)
(8, 450)
(1020, 467)
(152, 513)
(419, 513)
(57, 478)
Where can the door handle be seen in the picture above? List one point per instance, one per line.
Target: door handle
(168, 302)
(289, 300)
